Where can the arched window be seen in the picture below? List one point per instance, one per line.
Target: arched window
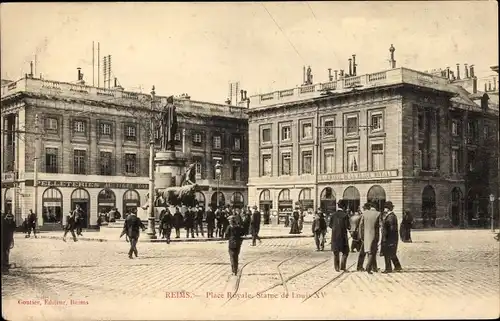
(429, 206)
(352, 198)
(237, 200)
(376, 195)
(200, 199)
(81, 198)
(284, 195)
(222, 200)
(106, 201)
(131, 200)
(52, 206)
(328, 203)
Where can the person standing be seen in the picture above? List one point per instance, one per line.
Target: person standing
(371, 237)
(131, 230)
(225, 222)
(199, 222)
(234, 233)
(166, 224)
(255, 225)
(406, 225)
(319, 230)
(218, 219)
(301, 221)
(339, 223)
(246, 221)
(389, 243)
(294, 228)
(8, 228)
(354, 221)
(210, 222)
(70, 226)
(189, 222)
(32, 221)
(178, 220)
(78, 214)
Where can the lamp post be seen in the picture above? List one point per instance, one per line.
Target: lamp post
(151, 209)
(218, 173)
(492, 200)
(35, 170)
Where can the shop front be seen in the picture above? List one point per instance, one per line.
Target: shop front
(376, 195)
(81, 198)
(52, 207)
(352, 198)
(7, 200)
(265, 202)
(328, 202)
(285, 205)
(200, 199)
(106, 201)
(237, 200)
(131, 200)
(222, 200)
(306, 201)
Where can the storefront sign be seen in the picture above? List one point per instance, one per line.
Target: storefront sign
(92, 185)
(51, 204)
(358, 176)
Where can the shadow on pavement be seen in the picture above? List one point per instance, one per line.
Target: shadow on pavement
(424, 271)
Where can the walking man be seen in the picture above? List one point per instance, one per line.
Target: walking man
(339, 223)
(70, 226)
(234, 233)
(371, 237)
(389, 243)
(319, 230)
(32, 221)
(255, 225)
(354, 221)
(131, 230)
(166, 224)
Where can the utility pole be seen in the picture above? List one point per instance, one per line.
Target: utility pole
(151, 209)
(35, 170)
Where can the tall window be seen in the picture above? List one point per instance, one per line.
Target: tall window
(307, 131)
(79, 163)
(352, 125)
(198, 166)
(352, 159)
(79, 126)
(236, 143)
(421, 121)
(51, 124)
(455, 127)
(377, 157)
(286, 133)
(51, 165)
(376, 122)
(130, 133)
(329, 160)
(177, 137)
(105, 162)
(328, 128)
(266, 165)
(307, 162)
(105, 129)
(197, 139)
(236, 170)
(286, 164)
(130, 163)
(266, 135)
(217, 142)
(455, 160)
(486, 132)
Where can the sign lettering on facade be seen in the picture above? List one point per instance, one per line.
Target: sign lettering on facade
(74, 184)
(358, 175)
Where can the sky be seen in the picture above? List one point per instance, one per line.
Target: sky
(198, 48)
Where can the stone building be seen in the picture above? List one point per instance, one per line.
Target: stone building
(93, 148)
(416, 139)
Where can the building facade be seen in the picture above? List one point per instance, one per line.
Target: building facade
(390, 135)
(91, 147)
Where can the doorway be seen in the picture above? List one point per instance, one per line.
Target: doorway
(456, 206)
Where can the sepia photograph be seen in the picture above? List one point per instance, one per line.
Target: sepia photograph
(293, 160)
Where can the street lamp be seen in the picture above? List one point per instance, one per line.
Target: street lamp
(151, 209)
(492, 199)
(218, 173)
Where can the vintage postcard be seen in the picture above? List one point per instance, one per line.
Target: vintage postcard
(250, 160)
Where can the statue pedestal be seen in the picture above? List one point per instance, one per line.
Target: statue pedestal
(169, 168)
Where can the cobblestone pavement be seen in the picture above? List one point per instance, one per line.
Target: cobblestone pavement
(447, 274)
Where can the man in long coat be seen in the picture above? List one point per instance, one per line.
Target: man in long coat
(354, 221)
(406, 225)
(166, 222)
(234, 233)
(8, 228)
(32, 222)
(339, 223)
(255, 225)
(389, 243)
(189, 218)
(210, 222)
(199, 221)
(70, 225)
(178, 222)
(371, 236)
(319, 230)
(131, 229)
(294, 228)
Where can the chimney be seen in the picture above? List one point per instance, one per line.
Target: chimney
(336, 76)
(79, 73)
(466, 72)
(245, 92)
(458, 71)
(489, 85)
(354, 65)
(474, 85)
(471, 69)
(31, 69)
(448, 72)
(304, 74)
(350, 66)
(228, 101)
(452, 75)
(341, 73)
(330, 78)
(248, 103)
(41, 76)
(241, 93)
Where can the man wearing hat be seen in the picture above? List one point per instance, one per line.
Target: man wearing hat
(339, 223)
(131, 230)
(8, 228)
(255, 225)
(389, 242)
(234, 233)
(294, 228)
(319, 230)
(370, 236)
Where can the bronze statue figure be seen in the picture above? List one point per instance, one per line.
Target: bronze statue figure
(189, 177)
(168, 125)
